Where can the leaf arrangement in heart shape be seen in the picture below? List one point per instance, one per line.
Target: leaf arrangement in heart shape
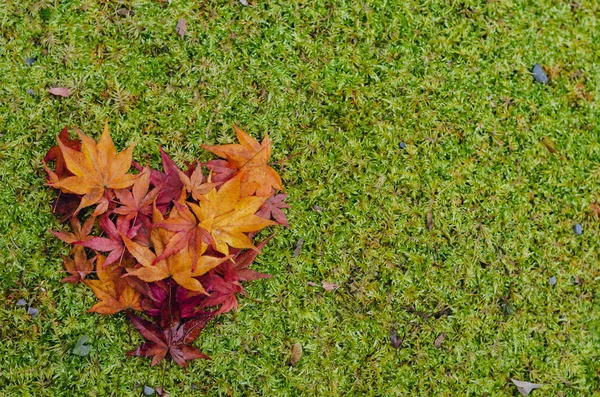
(174, 245)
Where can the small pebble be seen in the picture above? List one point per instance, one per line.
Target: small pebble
(30, 61)
(552, 280)
(402, 145)
(539, 75)
(244, 3)
(148, 391)
(577, 229)
(30, 91)
(33, 312)
(22, 302)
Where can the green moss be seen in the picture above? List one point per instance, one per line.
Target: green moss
(338, 86)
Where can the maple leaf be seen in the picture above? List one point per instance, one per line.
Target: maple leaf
(65, 205)
(221, 171)
(226, 215)
(188, 233)
(241, 261)
(114, 292)
(114, 243)
(78, 266)
(271, 209)
(251, 159)
(188, 301)
(55, 154)
(79, 233)
(178, 266)
(223, 290)
(224, 283)
(137, 202)
(96, 168)
(171, 336)
(195, 183)
(169, 181)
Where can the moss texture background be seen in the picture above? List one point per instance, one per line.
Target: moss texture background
(338, 85)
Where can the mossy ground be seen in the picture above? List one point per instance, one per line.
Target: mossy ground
(338, 85)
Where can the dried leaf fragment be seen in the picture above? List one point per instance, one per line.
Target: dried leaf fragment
(181, 27)
(329, 286)
(296, 353)
(59, 91)
(124, 12)
(525, 387)
(439, 340)
(547, 142)
(394, 339)
(298, 249)
(429, 220)
(159, 390)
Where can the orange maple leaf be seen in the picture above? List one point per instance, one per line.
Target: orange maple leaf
(96, 168)
(78, 266)
(251, 159)
(114, 292)
(227, 215)
(196, 183)
(80, 233)
(178, 266)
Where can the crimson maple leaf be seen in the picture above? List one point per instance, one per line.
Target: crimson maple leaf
(220, 171)
(241, 261)
(114, 243)
(65, 205)
(169, 181)
(171, 336)
(224, 283)
(222, 289)
(188, 301)
(136, 204)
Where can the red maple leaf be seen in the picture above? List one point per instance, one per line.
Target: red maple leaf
(169, 181)
(241, 261)
(114, 243)
(171, 336)
(221, 171)
(189, 301)
(271, 209)
(65, 205)
(222, 289)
